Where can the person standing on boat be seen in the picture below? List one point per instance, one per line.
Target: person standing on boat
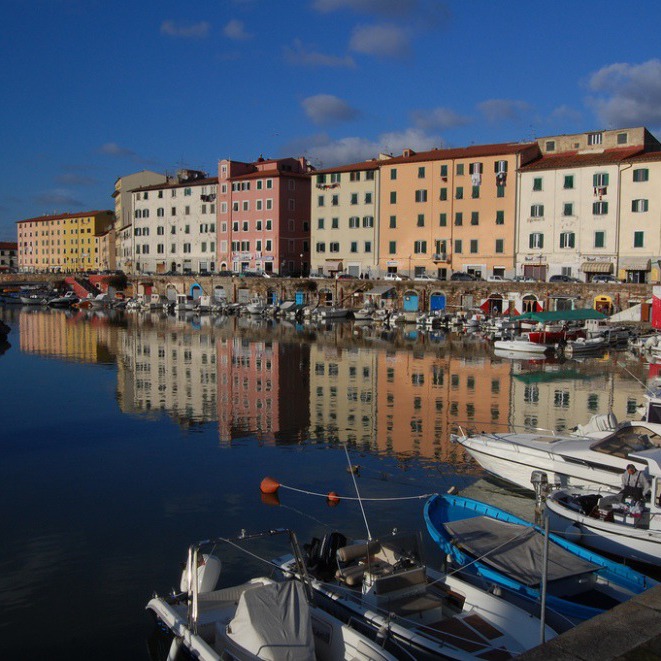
(635, 486)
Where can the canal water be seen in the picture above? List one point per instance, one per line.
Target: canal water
(126, 437)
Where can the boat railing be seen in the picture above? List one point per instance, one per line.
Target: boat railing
(469, 428)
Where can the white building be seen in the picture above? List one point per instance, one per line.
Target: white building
(174, 225)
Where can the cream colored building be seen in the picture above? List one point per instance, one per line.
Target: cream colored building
(570, 207)
(345, 211)
(639, 243)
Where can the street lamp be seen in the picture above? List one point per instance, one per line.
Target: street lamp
(301, 256)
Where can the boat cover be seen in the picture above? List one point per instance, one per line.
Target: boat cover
(274, 622)
(515, 551)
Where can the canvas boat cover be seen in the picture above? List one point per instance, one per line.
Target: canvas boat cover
(516, 554)
(274, 622)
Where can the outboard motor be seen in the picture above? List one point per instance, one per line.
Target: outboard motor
(208, 573)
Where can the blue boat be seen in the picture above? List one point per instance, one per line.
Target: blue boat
(509, 551)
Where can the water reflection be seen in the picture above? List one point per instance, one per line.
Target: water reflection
(389, 390)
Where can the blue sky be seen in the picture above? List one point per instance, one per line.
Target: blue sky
(92, 90)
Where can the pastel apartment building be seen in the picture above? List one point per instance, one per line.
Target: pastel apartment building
(63, 242)
(264, 216)
(174, 225)
(449, 210)
(345, 213)
(8, 255)
(574, 218)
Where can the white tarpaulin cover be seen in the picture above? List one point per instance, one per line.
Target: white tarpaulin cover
(274, 622)
(515, 551)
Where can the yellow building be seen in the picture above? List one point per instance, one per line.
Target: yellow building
(62, 243)
(450, 210)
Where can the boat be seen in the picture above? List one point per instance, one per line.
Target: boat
(256, 306)
(64, 301)
(333, 312)
(602, 328)
(523, 344)
(185, 303)
(259, 619)
(509, 551)
(365, 313)
(384, 585)
(553, 333)
(568, 459)
(34, 298)
(583, 345)
(627, 529)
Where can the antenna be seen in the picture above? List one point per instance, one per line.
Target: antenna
(360, 502)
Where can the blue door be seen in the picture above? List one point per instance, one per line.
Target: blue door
(410, 302)
(300, 298)
(437, 302)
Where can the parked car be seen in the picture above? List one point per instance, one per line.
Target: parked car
(425, 278)
(563, 278)
(395, 276)
(523, 278)
(604, 279)
(497, 278)
(344, 276)
(464, 277)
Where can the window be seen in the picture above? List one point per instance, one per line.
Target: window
(500, 245)
(321, 247)
(269, 225)
(354, 198)
(420, 247)
(639, 206)
(354, 246)
(595, 138)
(269, 182)
(443, 220)
(245, 226)
(458, 218)
(500, 217)
(622, 138)
(443, 194)
(393, 197)
(537, 211)
(335, 200)
(458, 246)
(368, 198)
(459, 193)
(600, 179)
(368, 246)
(369, 175)
(368, 221)
(475, 192)
(421, 172)
(321, 179)
(569, 182)
(599, 239)
(320, 223)
(567, 239)
(550, 145)
(444, 171)
(392, 247)
(421, 220)
(269, 203)
(334, 247)
(641, 174)
(600, 208)
(500, 167)
(639, 239)
(500, 191)
(421, 196)
(537, 183)
(335, 223)
(536, 241)
(160, 212)
(393, 222)
(320, 201)
(354, 222)
(460, 169)
(568, 209)
(393, 174)
(473, 246)
(475, 217)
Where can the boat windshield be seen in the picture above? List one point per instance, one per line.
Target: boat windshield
(634, 438)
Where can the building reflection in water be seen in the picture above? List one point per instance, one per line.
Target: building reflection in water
(279, 383)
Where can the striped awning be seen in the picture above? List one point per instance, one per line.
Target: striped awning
(597, 267)
(635, 263)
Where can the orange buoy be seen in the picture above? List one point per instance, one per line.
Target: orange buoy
(269, 485)
(332, 499)
(271, 499)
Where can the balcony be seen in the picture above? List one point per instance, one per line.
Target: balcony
(440, 257)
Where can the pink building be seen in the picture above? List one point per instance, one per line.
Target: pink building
(264, 216)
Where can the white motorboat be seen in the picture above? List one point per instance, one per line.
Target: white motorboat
(34, 299)
(583, 345)
(602, 328)
(256, 306)
(332, 312)
(384, 585)
(568, 460)
(185, 303)
(523, 344)
(366, 313)
(258, 619)
(627, 528)
(64, 301)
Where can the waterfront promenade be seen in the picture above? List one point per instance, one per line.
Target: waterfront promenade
(629, 631)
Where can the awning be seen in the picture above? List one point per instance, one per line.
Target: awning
(379, 290)
(597, 267)
(635, 263)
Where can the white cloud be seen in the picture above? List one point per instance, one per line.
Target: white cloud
(326, 108)
(628, 94)
(438, 119)
(113, 149)
(324, 152)
(500, 110)
(380, 40)
(186, 31)
(236, 31)
(300, 55)
(59, 200)
(74, 179)
(385, 7)
(565, 115)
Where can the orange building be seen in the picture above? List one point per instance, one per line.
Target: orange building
(449, 210)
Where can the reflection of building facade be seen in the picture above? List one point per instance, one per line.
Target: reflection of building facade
(423, 398)
(343, 393)
(168, 371)
(262, 390)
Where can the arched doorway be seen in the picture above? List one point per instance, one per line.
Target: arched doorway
(195, 291)
(603, 304)
(437, 302)
(411, 301)
(493, 305)
(530, 303)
